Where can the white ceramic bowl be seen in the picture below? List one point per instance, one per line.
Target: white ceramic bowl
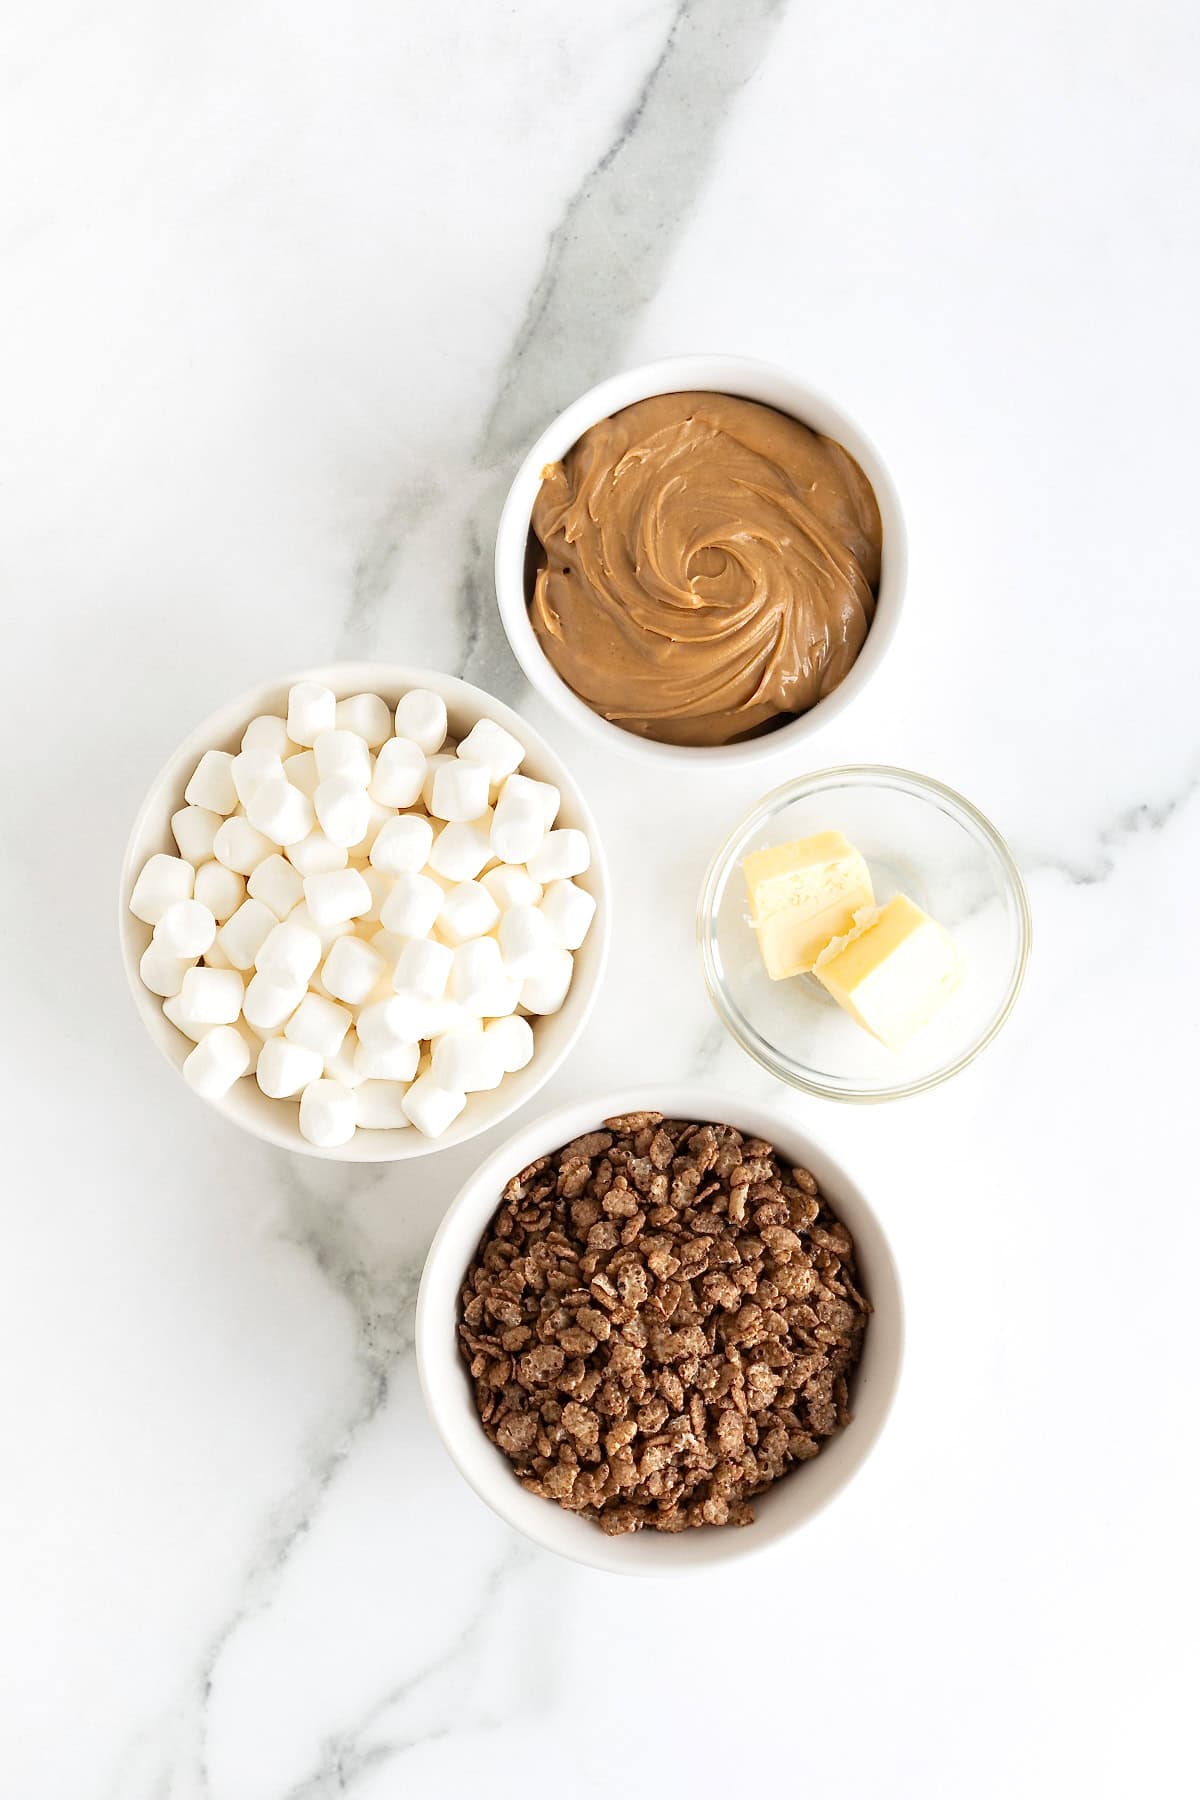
(782, 1509)
(277, 1121)
(750, 380)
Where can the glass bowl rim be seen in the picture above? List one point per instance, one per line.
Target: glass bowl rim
(926, 787)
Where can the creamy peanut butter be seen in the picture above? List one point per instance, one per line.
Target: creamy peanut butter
(704, 566)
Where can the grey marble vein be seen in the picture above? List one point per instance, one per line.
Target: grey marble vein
(605, 258)
(1144, 817)
(375, 569)
(602, 264)
(381, 1291)
(348, 1755)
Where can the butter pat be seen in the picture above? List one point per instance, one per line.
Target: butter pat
(803, 894)
(892, 970)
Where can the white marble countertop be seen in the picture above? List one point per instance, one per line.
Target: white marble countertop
(284, 291)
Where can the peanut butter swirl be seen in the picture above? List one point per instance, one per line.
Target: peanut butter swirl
(704, 567)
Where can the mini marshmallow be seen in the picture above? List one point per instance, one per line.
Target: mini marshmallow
(404, 1018)
(399, 773)
(277, 884)
(341, 1064)
(268, 732)
(289, 954)
(513, 1038)
(379, 1106)
(258, 1035)
(240, 846)
(502, 998)
(301, 771)
(351, 970)
(467, 911)
(421, 716)
(317, 986)
(194, 828)
(432, 1108)
(377, 817)
(186, 929)
(268, 1003)
(460, 790)
(476, 970)
(315, 855)
(386, 1062)
(343, 809)
(380, 886)
(251, 768)
(284, 1068)
(318, 1024)
(212, 996)
(466, 1061)
(561, 855)
(443, 1016)
(412, 906)
(327, 1112)
(162, 972)
(512, 885)
(214, 957)
(164, 880)
(280, 811)
(389, 945)
(518, 825)
(222, 890)
(460, 850)
(524, 938)
(311, 710)
(211, 785)
(497, 749)
(520, 787)
(367, 716)
(181, 1019)
(328, 934)
(242, 936)
(403, 844)
(424, 966)
(253, 1040)
(568, 911)
(343, 753)
(545, 988)
(340, 894)
(432, 765)
(219, 1059)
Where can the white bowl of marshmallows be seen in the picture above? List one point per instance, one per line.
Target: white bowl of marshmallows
(364, 911)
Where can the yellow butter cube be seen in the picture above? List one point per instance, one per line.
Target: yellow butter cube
(801, 895)
(892, 970)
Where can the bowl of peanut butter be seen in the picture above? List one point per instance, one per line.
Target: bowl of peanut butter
(701, 557)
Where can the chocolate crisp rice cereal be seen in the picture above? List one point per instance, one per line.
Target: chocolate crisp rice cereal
(660, 1320)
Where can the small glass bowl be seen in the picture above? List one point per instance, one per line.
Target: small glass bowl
(919, 838)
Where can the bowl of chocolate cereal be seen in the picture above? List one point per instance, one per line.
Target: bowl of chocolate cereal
(660, 1329)
(701, 558)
